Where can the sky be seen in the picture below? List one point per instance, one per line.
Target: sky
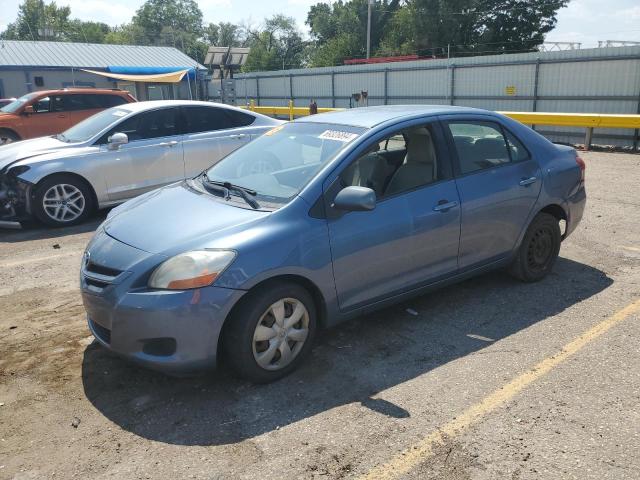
(585, 21)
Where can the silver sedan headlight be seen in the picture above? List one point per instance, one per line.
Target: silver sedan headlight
(194, 269)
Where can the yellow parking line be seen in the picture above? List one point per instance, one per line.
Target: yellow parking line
(414, 455)
(39, 259)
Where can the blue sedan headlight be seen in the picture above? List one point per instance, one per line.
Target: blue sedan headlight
(195, 269)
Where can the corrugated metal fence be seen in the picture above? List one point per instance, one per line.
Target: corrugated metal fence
(602, 80)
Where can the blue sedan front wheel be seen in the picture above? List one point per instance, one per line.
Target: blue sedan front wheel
(268, 335)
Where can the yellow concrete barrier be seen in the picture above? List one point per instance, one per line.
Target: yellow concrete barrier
(587, 120)
(583, 120)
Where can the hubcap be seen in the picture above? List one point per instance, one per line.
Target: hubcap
(540, 249)
(4, 140)
(63, 202)
(280, 334)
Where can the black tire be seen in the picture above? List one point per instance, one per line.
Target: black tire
(539, 249)
(8, 136)
(238, 336)
(68, 183)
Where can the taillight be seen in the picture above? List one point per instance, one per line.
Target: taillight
(582, 166)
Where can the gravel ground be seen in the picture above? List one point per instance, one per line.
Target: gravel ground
(373, 387)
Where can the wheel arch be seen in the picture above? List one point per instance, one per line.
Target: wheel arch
(80, 178)
(308, 285)
(11, 130)
(555, 210)
(559, 213)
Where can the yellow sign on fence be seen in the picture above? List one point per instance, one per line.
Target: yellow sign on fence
(510, 90)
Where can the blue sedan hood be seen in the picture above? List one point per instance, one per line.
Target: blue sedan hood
(176, 217)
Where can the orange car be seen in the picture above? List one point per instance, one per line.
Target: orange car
(48, 112)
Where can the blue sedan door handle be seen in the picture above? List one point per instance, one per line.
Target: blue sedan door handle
(444, 206)
(528, 181)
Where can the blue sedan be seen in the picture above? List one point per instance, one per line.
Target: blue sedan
(320, 220)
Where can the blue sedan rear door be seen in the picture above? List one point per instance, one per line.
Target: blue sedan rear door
(499, 182)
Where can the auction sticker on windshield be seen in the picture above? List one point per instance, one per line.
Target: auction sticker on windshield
(337, 135)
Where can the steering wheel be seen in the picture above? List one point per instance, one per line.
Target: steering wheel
(267, 163)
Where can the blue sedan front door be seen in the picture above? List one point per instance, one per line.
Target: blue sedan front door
(499, 183)
(412, 235)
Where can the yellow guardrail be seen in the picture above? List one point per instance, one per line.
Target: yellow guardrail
(288, 111)
(587, 120)
(582, 120)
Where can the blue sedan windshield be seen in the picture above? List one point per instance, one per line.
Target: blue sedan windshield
(278, 164)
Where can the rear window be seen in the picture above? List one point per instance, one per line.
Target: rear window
(208, 119)
(90, 101)
(240, 119)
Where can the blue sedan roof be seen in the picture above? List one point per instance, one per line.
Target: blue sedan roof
(371, 116)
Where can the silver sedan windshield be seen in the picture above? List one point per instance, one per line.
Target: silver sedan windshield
(281, 162)
(93, 125)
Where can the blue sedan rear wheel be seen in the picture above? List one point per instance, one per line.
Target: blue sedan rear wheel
(270, 332)
(539, 249)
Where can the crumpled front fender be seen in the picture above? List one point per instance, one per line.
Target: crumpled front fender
(15, 204)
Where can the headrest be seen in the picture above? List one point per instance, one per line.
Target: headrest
(419, 146)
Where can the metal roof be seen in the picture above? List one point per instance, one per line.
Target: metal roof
(18, 53)
(371, 116)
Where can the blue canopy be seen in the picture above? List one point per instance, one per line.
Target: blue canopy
(151, 70)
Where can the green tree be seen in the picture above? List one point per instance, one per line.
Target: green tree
(428, 27)
(277, 45)
(38, 20)
(514, 25)
(223, 34)
(126, 34)
(177, 23)
(470, 27)
(435, 24)
(89, 32)
(339, 30)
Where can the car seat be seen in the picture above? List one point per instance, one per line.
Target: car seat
(419, 166)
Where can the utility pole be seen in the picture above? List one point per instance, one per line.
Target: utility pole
(369, 29)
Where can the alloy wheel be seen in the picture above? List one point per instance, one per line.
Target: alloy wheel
(280, 334)
(63, 202)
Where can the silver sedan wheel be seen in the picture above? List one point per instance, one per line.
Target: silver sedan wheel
(280, 334)
(63, 202)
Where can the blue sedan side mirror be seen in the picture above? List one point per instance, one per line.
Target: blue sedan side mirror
(355, 199)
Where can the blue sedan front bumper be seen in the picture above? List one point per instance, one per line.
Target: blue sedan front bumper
(172, 331)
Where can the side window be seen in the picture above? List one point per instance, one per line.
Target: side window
(402, 162)
(479, 145)
(80, 102)
(205, 119)
(240, 119)
(146, 125)
(42, 105)
(108, 101)
(393, 144)
(58, 104)
(518, 151)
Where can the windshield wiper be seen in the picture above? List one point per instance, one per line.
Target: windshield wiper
(227, 187)
(61, 137)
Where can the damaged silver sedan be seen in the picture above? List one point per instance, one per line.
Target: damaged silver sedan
(116, 155)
